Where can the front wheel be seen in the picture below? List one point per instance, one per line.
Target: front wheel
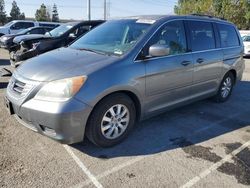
(226, 88)
(111, 120)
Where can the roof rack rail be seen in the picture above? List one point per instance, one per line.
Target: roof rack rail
(209, 16)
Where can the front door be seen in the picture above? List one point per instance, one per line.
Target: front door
(168, 78)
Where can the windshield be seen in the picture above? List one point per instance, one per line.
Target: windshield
(113, 37)
(246, 38)
(8, 24)
(59, 30)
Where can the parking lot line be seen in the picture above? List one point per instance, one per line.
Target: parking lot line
(83, 167)
(137, 159)
(214, 167)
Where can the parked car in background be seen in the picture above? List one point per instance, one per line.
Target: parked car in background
(125, 70)
(244, 32)
(6, 41)
(32, 45)
(16, 26)
(246, 42)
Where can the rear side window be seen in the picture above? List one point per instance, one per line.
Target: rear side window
(228, 35)
(48, 25)
(25, 25)
(202, 35)
(36, 31)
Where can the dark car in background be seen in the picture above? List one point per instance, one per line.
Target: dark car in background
(6, 41)
(33, 45)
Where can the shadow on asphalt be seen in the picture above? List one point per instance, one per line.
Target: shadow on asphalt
(180, 127)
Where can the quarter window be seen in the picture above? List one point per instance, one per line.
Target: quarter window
(228, 36)
(202, 35)
(171, 35)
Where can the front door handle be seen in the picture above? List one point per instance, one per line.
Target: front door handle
(200, 60)
(185, 63)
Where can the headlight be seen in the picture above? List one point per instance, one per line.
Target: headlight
(61, 90)
(6, 38)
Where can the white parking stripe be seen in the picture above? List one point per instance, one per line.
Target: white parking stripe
(108, 172)
(132, 161)
(214, 167)
(83, 167)
(135, 160)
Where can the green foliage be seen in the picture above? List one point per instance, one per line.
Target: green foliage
(236, 11)
(15, 13)
(22, 16)
(55, 16)
(3, 17)
(42, 14)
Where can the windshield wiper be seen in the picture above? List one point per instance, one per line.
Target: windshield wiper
(94, 51)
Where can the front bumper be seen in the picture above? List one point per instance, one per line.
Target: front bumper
(18, 56)
(64, 122)
(4, 45)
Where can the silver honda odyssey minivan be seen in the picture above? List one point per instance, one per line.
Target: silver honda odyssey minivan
(123, 71)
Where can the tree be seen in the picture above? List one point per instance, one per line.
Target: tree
(3, 17)
(42, 14)
(15, 11)
(236, 11)
(55, 16)
(22, 16)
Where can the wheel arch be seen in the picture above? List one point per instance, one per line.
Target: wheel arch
(134, 97)
(234, 72)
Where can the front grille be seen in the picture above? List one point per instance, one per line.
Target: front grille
(19, 88)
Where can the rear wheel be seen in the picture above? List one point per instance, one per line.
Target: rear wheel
(226, 88)
(111, 120)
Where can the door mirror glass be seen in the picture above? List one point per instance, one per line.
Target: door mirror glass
(159, 50)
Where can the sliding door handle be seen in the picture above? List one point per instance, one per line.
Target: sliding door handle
(185, 63)
(200, 60)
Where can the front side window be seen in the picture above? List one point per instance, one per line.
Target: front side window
(22, 25)
(113, 37)
(172, 36)
(202, 35)
(228, 36)
(36, 31)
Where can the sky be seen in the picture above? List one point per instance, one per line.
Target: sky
(77, 9)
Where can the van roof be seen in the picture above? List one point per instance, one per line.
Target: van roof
(167, 17)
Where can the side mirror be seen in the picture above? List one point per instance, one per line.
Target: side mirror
(158, 50)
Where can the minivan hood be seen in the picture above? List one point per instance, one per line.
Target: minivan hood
(63, 63)
(18, 39)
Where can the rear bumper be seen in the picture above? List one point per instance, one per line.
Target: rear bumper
(64, 122)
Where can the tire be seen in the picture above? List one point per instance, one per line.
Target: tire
(106, 127)
(225, 89)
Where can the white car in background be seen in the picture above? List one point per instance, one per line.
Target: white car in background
(246, 42)
(16, 26)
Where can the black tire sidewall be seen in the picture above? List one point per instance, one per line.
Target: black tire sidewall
(94, 124)
(219, 98)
